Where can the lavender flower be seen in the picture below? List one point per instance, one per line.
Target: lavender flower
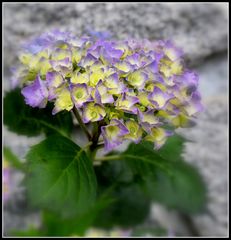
(133, 87)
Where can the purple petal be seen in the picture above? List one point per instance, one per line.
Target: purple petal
(148, 119)
(172, 51)
(191, 78)
(153, 66)
(36, 94)
(114, 53)
(18, 75)
(63, 65)
(54, 80)
(86, 97)
(101, 94)
(123, 129)
(88, 60)
(96, 52)
(112, 141)
(113, 80)
(159, 98)
(126, 103)
(194, 105)
(158, 56)
(111, 55)
(133, 59)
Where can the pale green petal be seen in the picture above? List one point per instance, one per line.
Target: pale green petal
(63, 101)
(143, 97)
(77, 77)
(95, 77)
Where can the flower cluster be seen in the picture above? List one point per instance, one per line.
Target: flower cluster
(135, 88)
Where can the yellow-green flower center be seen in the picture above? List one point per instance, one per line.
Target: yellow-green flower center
(94, 114)
(132, 130)
(112, 131)
(142, 108)
(79, 95)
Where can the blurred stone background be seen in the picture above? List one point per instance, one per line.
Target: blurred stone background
(201, 29)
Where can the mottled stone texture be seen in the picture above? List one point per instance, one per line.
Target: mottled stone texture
(200, 29)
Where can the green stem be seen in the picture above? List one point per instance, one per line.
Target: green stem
(108, 158)
(95, 138)
(87, 145)
(81, 123)
(95, 132)
(101, 145)
(86, 148)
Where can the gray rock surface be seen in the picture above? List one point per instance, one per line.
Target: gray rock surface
(201, 29)
(212, 160)
(209, 152)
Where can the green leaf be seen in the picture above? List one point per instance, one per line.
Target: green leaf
(53, 225)
(130, 207)
(25, 120)
(173, 148)
(117, 179)
(144, 161)
(185, 190)
(166, 177)
(61, 177)
(111, 172)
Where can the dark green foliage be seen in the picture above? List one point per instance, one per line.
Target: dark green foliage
(168, 179)
(130, 206)
(25, 120)
(173, 148)
(144, 160)
(184, 190)
(60, 177)
(54, 225)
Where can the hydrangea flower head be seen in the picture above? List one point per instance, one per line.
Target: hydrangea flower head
(135, 88)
